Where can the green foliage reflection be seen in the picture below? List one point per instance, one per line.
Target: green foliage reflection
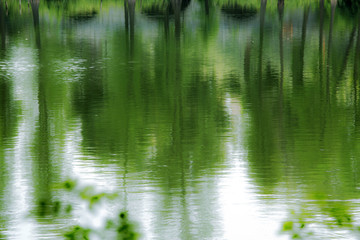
(304, 225)
(151, 95)
(119, 228)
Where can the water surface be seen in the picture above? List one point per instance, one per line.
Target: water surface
(211, 119)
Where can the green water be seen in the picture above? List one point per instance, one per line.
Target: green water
(211, 119)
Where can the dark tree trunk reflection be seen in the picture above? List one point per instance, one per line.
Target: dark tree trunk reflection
(129, 12)
(333, 7)
(126, 14)
(347, 52)
(2, 26)
(43, 167)
(261, 43)
(35, 11)
(206, 2)
(177, 11)
(298, 54)
(131, 6)
(281, 41)
(321, 42)
(356, 79)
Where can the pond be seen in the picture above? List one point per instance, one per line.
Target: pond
(209, 119)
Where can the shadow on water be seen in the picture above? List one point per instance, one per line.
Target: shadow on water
(238, 11)
(84, 16)
(163, 9)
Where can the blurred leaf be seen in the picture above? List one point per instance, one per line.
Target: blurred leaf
(288, 226)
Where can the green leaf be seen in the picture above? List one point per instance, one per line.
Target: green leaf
(288, 226)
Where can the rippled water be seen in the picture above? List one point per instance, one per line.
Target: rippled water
(210, 119)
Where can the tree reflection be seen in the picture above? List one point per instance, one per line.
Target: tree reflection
(155, 100)
(281, 41)
(356, 80)
(321, 43)
(42, 169)
(8, 122)
(2, 26)
(155, 105)
(297, 134)
(131, 9)
(51, 126)
(298, 53)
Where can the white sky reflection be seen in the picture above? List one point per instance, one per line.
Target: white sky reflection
(242, 215)
(20, 69)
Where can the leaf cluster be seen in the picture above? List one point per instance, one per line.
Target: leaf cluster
(121, 227)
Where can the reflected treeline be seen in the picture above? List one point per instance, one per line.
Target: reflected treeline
(14, 17)
(156, 105)
(262, 91)
(302, 98)
(155, 102)
(157, 115)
